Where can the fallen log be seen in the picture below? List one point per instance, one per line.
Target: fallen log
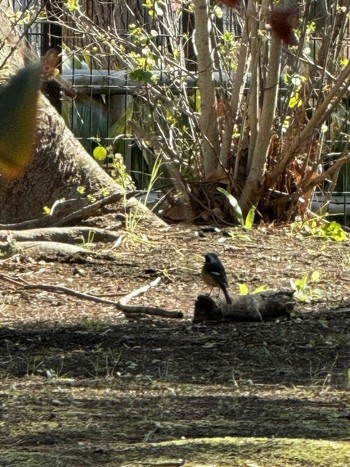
(262, 306)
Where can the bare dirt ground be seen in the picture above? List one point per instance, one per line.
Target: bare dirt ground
(81, 384)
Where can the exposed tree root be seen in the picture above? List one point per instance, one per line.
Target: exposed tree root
(58, 218)
(61, 234)
(39, 248)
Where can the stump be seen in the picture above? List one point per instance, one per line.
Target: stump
(262, 306)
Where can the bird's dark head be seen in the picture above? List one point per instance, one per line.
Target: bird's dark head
(211, 257)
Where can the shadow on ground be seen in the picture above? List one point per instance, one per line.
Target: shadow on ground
(95, 387)
(308, 351)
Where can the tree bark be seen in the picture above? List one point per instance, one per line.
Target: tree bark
(254, 87)
(240, 76)
(115, 15)
(60, 165)
(252, 307)
(108, 16)
(253, 187)
(63, 234)
(208, 119)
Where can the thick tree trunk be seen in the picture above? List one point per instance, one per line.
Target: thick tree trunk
(105, 16)
(59, 167)
(115, 15)
(60, 164)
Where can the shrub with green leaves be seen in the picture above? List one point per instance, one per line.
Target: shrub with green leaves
(305, 290)
(248, 222)
(320, 228)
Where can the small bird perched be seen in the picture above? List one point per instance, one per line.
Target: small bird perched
(213, 274)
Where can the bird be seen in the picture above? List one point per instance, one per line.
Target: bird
(214, 275)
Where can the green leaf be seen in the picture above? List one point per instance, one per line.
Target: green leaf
(259, 289)
(234, 203)
(198, 102)
(141, 75)
(295, 101)
(335, 231)
(249, 221)
(46, 211)
(73, 5)
(315, 276)
(301, 297)
(321, 229)
(100, 153)
(243, 289)
(343, 62)
(304, 281)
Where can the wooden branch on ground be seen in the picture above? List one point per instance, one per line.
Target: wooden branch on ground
(155, 311)
(121, 305)
(253, 307)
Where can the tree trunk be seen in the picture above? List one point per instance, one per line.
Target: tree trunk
(115, 15)
(208, 119)
(253, 187)
(108, 16)
(59, 166)
(236, 101)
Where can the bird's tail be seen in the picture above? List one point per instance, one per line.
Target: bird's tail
(227, 295)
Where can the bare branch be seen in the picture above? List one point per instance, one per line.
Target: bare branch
(119, 305)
